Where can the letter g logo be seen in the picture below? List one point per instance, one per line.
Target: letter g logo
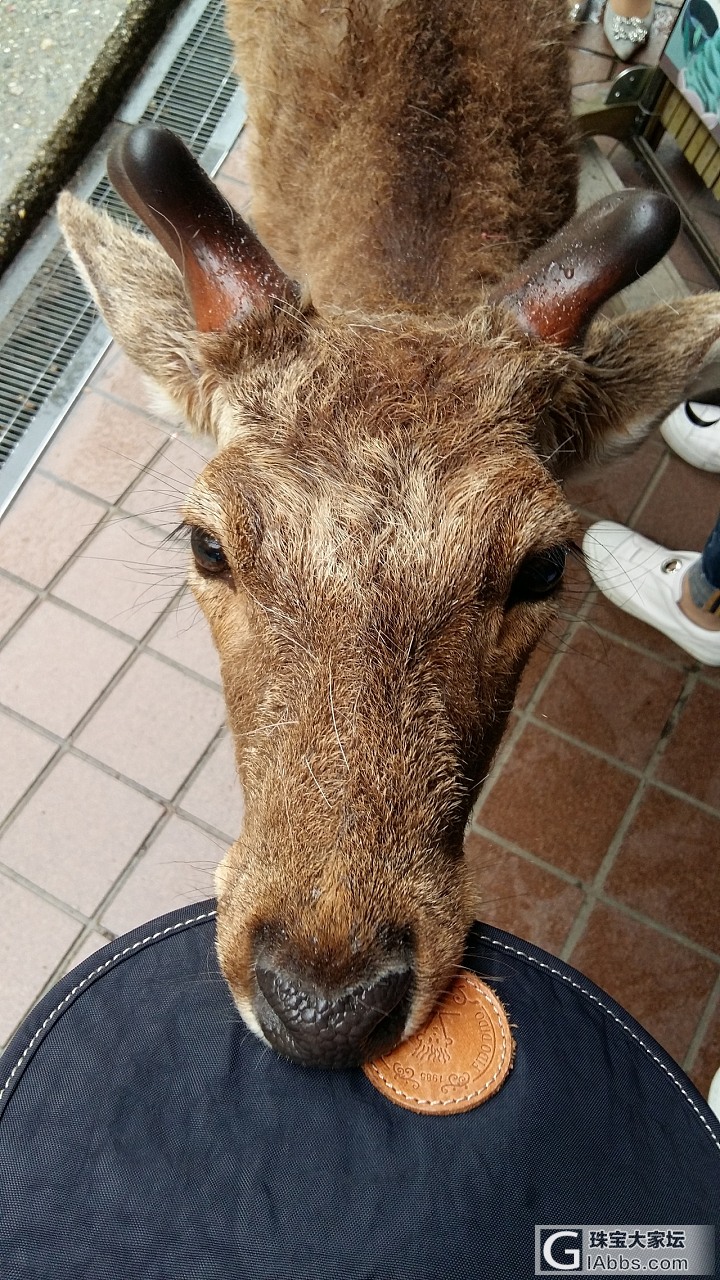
(560, 1256)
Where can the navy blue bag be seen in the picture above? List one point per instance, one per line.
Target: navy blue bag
(146, 1135)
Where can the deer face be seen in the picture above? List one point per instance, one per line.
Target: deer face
(376, 559)
(377, 547)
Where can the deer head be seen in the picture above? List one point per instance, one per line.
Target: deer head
(377, 547)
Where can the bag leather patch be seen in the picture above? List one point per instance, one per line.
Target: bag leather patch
(459, 1059)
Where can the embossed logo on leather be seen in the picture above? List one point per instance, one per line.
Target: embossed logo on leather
(458, 1060)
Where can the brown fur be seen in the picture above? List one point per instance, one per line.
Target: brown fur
(396, 154)
(389, 455)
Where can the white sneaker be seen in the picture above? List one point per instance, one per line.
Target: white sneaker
(626, 35)
(645, 580)
(693, 432)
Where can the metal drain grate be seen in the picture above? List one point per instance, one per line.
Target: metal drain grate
(50, 335)
(44, 333)
(199, 86)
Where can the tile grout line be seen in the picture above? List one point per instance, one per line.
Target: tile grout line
(46, 895)
(579, 925)
(675, 664)
(158, 827)
(42, 592)
(137, 648)
(713, 1003)
(606, 899)
(598, 884)
(649, 490)
(534, 859)
(633, 771)
(69, 748)
(171, 808)
(510, 740)
(177, 598)
(67, 744)
(92, 922)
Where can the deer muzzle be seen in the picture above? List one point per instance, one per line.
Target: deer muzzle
(341, 1026)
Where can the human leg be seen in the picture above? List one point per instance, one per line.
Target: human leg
(700, 597)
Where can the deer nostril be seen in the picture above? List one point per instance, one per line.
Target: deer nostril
(332, 1029)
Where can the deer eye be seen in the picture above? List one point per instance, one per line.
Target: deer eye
(538, 576)
(208, 552)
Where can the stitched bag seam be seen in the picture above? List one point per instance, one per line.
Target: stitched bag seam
(525, 955)
(142, 942)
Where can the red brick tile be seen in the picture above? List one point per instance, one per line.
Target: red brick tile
(662, 983)
(576, 582)
(613, 492)
(77, 833)
(514, 894)
(708, 1058)
(576, 585)
(668, 867)
(682, 509)
(558, 801)
(538, 663)
(609, 617)
(611, 697)
(102, 446)
(42, 529)
(689, 761)
(56, 665)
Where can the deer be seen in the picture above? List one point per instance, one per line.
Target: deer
(400, 356)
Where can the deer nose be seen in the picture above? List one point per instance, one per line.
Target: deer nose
(332, 1028)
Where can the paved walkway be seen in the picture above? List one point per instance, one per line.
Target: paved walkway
(61, 69)
(598, 836)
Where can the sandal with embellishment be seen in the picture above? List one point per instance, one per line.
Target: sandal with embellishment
(626, 35)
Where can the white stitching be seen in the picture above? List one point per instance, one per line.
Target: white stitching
(181, 924)
(209, 915)
(578, 987)
(497, 1008)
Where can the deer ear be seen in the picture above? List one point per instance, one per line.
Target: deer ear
(558, 290)
(141, 297)
(210, 272)
(227, 271)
